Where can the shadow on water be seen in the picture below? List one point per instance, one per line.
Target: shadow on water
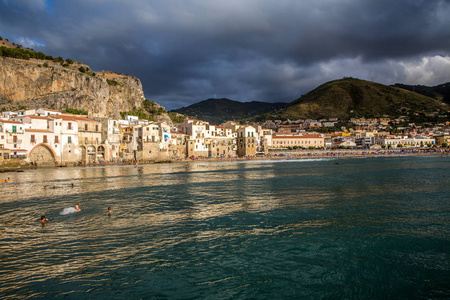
(362, 228)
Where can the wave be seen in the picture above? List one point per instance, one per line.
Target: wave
(68, 210)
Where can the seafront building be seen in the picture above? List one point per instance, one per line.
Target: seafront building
(301, 141)
(49, 136)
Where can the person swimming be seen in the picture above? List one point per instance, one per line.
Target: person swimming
(109, 211)
(43, 220)
(77, 207)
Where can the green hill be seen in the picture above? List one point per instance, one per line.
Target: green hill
(439, 92)
(350, 97)
(217, 111)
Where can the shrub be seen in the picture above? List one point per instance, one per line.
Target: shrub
(75, 111)
(112, 82)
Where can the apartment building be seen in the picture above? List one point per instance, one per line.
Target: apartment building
(304, 141)
(247, 141)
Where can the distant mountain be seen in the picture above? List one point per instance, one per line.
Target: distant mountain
(439, 92)
(349, 97)
(217, 111)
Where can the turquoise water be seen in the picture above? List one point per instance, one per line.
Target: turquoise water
(353, 228)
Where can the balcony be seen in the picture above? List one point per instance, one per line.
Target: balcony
(13, 141)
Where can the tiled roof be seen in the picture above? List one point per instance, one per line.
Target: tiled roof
(38, 130)
(296, 137)
(38, 117)
(11, 122)
(72, 118)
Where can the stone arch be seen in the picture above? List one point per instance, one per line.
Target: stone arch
(42, 153)
(101, 152)
(91, 154)
(82, 156)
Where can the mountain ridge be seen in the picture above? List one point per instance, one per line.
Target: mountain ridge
(219, 110)
(352, 97)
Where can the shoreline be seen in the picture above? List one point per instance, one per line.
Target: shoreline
(286, 155)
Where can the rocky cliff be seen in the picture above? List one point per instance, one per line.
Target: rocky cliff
(35, 84)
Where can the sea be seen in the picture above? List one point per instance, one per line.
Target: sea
(326, 228)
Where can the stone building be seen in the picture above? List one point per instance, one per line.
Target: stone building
(301, 141)
(246, 141)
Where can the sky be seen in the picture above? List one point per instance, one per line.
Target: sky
(186, 51)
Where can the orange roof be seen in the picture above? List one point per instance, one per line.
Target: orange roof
(38, 130)
(11, 122)
(38, 117)
(177, 132)
(296, 137)
(72, 118)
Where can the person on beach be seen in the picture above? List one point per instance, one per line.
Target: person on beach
(71, 185)
(43, 220)
(77, 207)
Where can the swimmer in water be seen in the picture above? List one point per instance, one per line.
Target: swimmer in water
(43, 220)
(77, 207)
(72, 185)
(109, 211)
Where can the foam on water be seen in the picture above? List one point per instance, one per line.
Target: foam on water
(68, 210)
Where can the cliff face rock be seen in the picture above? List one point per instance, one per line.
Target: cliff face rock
(34, 85)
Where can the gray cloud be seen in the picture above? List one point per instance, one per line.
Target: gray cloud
(187, 51)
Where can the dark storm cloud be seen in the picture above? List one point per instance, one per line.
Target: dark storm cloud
(187, 51)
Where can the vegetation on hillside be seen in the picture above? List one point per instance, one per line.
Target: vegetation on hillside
(176, 117)
(350, 97)
(217, 111)
(75, 111)
(439, 92)
(147, 112)
(18, 52)
(21, 53)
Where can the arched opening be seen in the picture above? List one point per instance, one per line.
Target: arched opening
(42, 154)
(82, 155)
(101, 153)
(91, 153)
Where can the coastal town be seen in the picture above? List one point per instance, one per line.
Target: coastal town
(49, 137)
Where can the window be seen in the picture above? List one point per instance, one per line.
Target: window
(86, 127)
(69, 139)
(69, 126)
(14, 128)
(96, 127)
(33, 138)
(45, 139)
(56, 139)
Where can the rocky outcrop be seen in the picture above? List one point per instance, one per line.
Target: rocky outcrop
(36, 84)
